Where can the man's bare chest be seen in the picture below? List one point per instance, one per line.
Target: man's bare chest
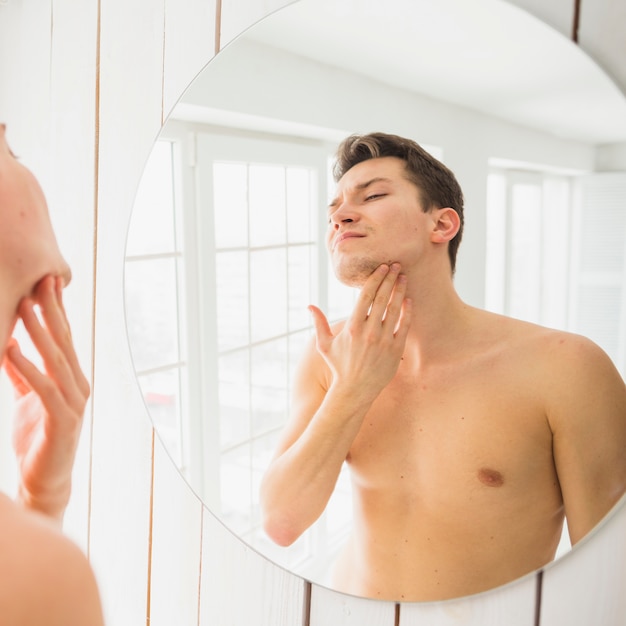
(453, 434)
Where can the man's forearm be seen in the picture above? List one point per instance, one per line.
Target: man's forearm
(300, 481)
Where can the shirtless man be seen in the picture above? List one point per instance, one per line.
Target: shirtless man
(469, 435)
(44, 578)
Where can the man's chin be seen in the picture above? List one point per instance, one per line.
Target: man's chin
(356, 273)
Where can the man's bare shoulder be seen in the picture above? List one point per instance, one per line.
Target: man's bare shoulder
(44, 577)
(538, 342)
(562, 366)
(583, 397)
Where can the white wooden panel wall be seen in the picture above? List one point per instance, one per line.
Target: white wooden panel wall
(176, 549)
(238, 586)
(328, 607)
(128, 113)
(70, 190)
(84, 87)
(588, 586)
(513, 605)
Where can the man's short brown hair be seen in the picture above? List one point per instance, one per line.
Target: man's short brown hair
(437, 185)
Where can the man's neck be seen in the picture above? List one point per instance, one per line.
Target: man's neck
(440, 320)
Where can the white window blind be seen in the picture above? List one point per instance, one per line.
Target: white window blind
(528, 246)
(598, 303)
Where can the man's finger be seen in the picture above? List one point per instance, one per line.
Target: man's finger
(54, 359)
(322, 327)
(20, 386)
(23, 373)
(49, 294)
(401, 329)
(368, 293)
(395, 302)
(384, 294)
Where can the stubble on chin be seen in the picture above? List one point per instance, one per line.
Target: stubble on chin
(355, 271)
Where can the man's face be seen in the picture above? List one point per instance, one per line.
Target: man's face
(28, 247)
(376, 217)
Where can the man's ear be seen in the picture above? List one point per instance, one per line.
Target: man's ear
(446, 225)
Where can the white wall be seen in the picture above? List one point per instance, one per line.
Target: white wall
(611, 158)
(254, 79)
(84, 88)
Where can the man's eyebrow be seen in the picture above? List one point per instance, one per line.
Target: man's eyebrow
(363, 185)
(367, 183)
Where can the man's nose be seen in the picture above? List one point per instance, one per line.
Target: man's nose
(345, 214)
(345, 220)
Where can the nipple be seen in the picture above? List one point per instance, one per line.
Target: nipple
(490, 477)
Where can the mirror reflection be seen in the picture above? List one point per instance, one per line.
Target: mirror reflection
(226, 250)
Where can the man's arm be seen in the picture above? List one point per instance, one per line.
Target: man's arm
(335, 386)
(587, 415)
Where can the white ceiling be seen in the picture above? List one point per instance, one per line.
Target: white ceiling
(486, 55)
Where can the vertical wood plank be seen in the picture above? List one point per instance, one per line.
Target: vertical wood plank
(71, 199)
(238, 15)
(513, 604)
(587, 586)
(25, 29)
(557, 13)
(176, 544)
(239, 586)
(129, 116)
(189, 45)
(602, 34)
(331, 607)
(120, 503)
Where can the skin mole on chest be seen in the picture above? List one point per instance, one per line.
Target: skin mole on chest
(490, 477)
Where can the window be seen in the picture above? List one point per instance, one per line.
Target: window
(226, 234)
(528, 246)
(556, 253)
(598, 300)
(153, 288)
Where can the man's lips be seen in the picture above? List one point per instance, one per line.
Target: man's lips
(344, 236)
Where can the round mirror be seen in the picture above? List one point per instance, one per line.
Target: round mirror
(225, 248)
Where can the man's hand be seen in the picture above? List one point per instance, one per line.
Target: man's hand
(50, 406)
(367, 351)
(363, 357)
